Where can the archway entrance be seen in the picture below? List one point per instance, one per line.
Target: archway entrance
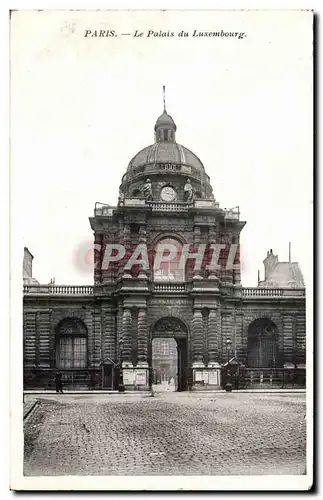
(263, 351)
(169, 354)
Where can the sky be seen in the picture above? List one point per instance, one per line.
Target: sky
(82, 107)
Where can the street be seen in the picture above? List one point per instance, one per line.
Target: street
(171, 433)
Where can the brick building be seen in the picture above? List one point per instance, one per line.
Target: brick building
(165, 198)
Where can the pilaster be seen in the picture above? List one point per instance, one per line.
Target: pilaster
(212, 337)
(197, 333)
(37, 340)
(44, 328)
(301, 339)
(288, 338)
(226, 333)
(196, 243)
(29, 338)
(108, 334)
(126, 335)
(212, 273)
(127, 244)
(142, 340)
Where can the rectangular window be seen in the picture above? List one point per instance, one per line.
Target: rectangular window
(165, 349)
(72, 352)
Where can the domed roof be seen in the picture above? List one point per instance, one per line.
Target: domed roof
(165, 152)
(165, 120)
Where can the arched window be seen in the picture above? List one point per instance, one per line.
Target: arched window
(71, 344)
(167, 261)
(136, 193)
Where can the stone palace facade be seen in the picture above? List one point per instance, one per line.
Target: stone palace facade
(88, 332)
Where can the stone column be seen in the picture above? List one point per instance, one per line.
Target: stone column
(214, 369)
(197, 331)
(141, 375)
(142, 337)
(126, 334)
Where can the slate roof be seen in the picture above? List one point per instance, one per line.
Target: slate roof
(30, 281)
(165, 152)
(284, 275)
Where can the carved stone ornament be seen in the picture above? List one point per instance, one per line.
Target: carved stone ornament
(169, 302)
(71, 326)
(168, 324)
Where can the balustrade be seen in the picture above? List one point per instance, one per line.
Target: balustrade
(169, 287)
(169, 207)
(159, 287)
(58, 289)
(272, 292)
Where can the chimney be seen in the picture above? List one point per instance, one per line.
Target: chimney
(258, 276)
(270, 263)
(27, 264)
(290, 252)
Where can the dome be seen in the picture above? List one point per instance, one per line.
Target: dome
(166, 162)
(165, 152)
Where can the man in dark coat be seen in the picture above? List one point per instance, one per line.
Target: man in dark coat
(58, 382)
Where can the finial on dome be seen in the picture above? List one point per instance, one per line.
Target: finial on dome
(164, 98)
(165, 127)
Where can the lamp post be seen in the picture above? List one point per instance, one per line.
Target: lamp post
(121, 386)
(228, 384)
(229, 344)
(150, 380)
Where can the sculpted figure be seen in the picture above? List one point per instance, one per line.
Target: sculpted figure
(147, 190)
(188, 191)
(121, 197)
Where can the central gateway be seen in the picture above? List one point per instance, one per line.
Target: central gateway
(161, 356)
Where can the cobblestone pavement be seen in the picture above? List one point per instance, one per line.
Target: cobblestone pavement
(179, 434)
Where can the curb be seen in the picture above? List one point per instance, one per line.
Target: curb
(32, 408)
(112, 393)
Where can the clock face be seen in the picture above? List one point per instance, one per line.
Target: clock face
(168, 194)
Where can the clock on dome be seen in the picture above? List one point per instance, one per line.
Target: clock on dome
(168, 194)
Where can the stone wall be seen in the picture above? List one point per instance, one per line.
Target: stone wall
(217, 319)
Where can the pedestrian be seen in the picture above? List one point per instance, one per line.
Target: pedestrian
(58, 382)
(228, 384)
